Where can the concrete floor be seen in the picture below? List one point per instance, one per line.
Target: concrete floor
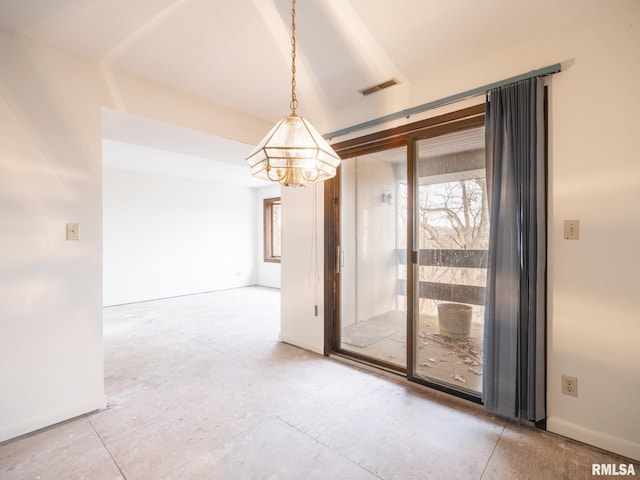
(456, 362)
(200, 388)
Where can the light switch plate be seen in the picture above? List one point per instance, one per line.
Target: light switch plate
(73, 231)
(571, 229)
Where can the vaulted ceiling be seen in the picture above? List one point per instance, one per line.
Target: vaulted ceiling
(236, 53)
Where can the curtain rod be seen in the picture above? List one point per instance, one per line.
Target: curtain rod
(551, 69)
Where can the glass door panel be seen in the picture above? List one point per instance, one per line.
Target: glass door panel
(451, 232)
(373, 307)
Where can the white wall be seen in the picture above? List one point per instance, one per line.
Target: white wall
(267, 273)
(594, 300)
(376, 237)
(594, 293)
(368, 239)
(50, 174)
(50, 288)
(299, 325)
(166, 236)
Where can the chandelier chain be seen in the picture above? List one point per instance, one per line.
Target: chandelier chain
(294, 101)
(294, 154)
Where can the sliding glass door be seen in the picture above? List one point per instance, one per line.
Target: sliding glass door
(372, 310)
(451, 232)
(407, 251)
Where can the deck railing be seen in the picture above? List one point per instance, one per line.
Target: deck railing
(448, 292)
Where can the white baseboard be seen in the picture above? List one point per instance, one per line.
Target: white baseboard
(307, 346)
(19, 428)
(602, 440)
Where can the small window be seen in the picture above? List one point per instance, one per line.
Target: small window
(272, 239)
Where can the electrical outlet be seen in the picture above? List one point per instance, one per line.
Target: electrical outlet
(570, 385)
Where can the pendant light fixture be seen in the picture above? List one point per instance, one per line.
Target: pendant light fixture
(293, 153)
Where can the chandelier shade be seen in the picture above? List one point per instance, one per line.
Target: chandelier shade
(293, 153)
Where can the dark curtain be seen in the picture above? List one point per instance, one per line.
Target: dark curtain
(515, 314)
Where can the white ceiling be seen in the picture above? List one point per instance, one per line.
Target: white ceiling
(237, 53)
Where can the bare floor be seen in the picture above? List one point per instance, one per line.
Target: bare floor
(200, 388)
